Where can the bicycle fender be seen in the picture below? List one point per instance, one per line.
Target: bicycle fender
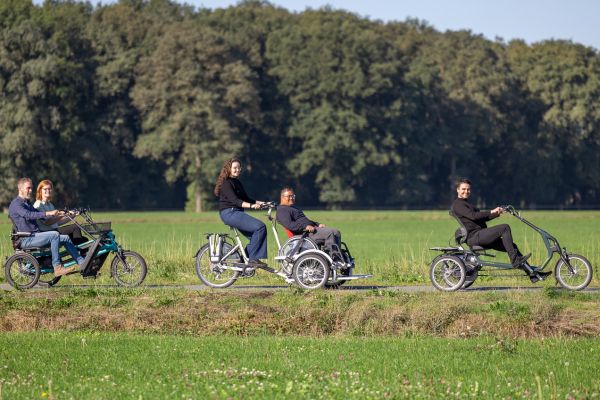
(315, 251)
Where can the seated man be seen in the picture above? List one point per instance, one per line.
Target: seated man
(498, 237)
(24, 216)
(293, 219)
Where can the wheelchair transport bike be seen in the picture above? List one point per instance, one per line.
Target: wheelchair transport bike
(30, 266)
(459, 266)
(221, 261)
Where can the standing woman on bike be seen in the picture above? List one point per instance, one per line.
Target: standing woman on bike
(233, 199)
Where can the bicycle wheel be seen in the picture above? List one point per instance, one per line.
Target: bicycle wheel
(311, 271)
(447, 273)
(471, 275)
(22, 271)
(576, 276)
(216, 274)
(128, 269)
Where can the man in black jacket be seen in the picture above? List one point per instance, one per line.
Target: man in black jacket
(498, 237)
(293, 219)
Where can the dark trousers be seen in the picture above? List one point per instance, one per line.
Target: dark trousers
(254, 229)
(498, 237)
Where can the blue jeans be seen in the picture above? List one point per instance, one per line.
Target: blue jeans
(54, 239)
(252, 228)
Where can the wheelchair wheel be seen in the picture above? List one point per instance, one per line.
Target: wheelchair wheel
(447, 273)
(22, 271)
(343, 272)
(214, 274)
(575, 277)
(289, 245)
(129, 269)
(311, 271)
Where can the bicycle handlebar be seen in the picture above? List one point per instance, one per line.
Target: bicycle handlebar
(510, 209)
(269, 205)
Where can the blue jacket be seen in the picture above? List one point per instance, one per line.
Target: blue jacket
(23, 215)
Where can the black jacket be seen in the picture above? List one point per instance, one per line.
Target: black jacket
(233, 195)
(471, 217)
(293, 219)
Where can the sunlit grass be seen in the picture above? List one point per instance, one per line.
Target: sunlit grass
(391, 245)
(94, 366)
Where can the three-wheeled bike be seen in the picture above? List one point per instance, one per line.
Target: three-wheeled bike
(221, 261)
(459, 266)
(30, 266)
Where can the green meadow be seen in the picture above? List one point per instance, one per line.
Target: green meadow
(123, 366)
(391, 245)
(102, 342)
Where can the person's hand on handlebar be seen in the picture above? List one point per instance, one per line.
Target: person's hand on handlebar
(497, 211)
(256, 206)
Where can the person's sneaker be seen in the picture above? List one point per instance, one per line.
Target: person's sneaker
(60, 271)
(520, 260)
(76, 269)
(539, 276)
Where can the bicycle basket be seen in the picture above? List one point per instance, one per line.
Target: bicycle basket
(97, 227)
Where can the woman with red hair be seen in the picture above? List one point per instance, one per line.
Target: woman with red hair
(43, 197)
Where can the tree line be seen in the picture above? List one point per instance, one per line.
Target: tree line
(136, 105)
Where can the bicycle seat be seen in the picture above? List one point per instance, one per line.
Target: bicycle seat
(460, 235)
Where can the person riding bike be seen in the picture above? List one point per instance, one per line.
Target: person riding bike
(233, 199)
(293, 219)
(43, 202)
(23, 216)
(498, 237)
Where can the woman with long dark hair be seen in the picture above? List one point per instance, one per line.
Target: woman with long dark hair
(233, 199)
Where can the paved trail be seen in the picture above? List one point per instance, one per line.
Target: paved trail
(407, 289)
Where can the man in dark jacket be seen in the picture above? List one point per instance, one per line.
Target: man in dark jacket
(498, 237)
(293, 219)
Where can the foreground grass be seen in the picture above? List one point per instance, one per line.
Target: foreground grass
(94, 366)
(392, 245)
(546, 313)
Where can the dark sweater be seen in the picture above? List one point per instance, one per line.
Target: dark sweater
(293, 219)
(233, 195)
(471, 217)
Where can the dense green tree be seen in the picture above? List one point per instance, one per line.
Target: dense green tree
(44, 89)
(339, 73)
(154, 95)
(193, 95)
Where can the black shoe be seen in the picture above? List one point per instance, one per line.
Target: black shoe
(520, 260)
(539, 276)
(256, 263)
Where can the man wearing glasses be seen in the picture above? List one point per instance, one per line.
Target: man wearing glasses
(293, 219)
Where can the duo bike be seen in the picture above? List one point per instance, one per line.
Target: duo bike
(30, 266)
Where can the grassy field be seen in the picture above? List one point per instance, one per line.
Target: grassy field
(100, 343)
(392, 245)
(124, 366)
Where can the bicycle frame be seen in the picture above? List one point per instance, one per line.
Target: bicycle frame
(550, 242)
(99, 245)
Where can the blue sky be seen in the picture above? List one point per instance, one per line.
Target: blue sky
(531, 20)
